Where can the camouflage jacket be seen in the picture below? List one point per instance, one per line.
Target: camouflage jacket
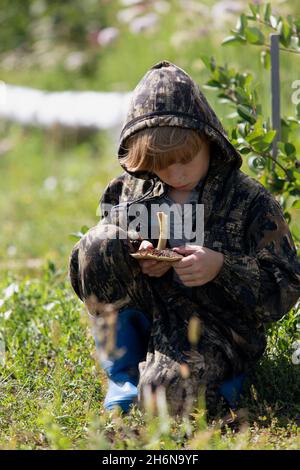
(260, 278)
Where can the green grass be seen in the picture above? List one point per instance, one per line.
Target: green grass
(50, 190)
(52, 387)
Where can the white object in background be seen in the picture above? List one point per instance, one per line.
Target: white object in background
(100, 110)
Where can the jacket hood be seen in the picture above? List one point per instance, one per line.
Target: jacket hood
(168, 96)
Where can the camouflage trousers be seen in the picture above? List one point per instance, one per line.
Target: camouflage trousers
(188, 351)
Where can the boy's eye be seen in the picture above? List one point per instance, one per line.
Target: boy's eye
(186, 160)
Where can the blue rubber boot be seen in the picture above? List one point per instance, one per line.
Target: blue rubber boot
(132, 335)
(231, 390)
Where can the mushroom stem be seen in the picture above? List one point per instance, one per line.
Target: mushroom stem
(163, 230)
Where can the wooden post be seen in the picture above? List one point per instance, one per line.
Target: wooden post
(275, 90)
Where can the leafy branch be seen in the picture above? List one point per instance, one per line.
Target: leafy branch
(251, 132)
(262, 16)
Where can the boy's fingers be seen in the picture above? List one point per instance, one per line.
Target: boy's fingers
(145, 245)
(149, 263)
(156, 273)
(156, 269)
(183, 263)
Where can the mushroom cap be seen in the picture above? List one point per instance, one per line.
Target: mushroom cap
(158, 255)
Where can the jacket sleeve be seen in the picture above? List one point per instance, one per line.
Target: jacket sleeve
(109, 199)
(265, 282)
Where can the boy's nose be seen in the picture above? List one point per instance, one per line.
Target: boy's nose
(175, 175)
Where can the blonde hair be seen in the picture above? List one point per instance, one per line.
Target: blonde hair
(156, 148)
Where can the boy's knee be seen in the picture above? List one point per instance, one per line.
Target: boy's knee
(101, 241)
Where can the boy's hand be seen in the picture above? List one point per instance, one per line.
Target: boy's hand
(199, 265)
(152, 267)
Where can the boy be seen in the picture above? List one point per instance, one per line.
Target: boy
(173, 149)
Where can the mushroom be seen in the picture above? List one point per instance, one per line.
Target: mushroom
(161, 253)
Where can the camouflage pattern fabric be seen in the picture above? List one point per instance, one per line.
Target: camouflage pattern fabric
(100, 264)
(167, 96)
(258, 283)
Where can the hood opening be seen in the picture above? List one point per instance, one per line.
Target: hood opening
(168, 96)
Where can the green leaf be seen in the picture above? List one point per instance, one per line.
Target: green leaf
(293, 121)
(297, 25)
(244, 150)
(259, 140)
(256, 163)
(220, 75)
(255, 135)
(296, 204)
(261, 146)
(234, 133)
(242, 128)
(212, 84)
(233, 40)
(290, 149)
(269, 137)
(287, 216)
(285, 31)
(280, 173)
(296, 174)
(267, 12)
(76, 235)
(233, 115)
(209, 62)
(287, 148)
(265, 58)
(51, 266)
(242, 24)
(84, 229)
(247, 81)
(260, 125)
(273, 21)
(254, 36)
(255, 9)
(242, 96)
(206, 60)
(224, 99)
(246, 113)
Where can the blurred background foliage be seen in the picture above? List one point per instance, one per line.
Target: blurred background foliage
(52, 179)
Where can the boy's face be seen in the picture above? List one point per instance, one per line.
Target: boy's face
(185, 176)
